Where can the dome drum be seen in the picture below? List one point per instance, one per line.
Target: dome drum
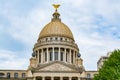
(47, 54)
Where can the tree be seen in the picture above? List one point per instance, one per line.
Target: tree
(111, 68)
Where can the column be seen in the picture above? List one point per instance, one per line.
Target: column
(47, 55)
(42, 56)
(74, 58)
(59, 54)
(65, 55)
(53, 54)
(70, 56)
(43, 78)
(78, 78)
(52, 78)
(34, 78)
(38, 55)
(70, 78)
(61, 78)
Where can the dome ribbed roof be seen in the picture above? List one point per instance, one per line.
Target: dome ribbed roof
(56, 28)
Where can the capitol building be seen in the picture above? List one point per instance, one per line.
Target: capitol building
(55, 56)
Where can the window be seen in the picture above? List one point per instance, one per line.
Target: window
(56, 55)
(61, 39)
(50, 56)
(8, 75)
(50, 38)
(61, 56)
(40, 58)
(65, 39)
(72, 58)
(15, 75)
(46, 39)
(1, 75)
(23, 75)
(88, 76)
(45, 56)
(56, 38)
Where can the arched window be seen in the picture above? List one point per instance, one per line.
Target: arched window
(88, 76)
(61, 56)
(23, 75)
(1, 75)
(56, 55)
(8, 75)
(15, 75)
(50, 56)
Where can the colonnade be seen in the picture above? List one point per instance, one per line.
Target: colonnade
(56, 78)
(45, 55)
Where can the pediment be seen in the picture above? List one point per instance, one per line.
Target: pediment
(57, 67)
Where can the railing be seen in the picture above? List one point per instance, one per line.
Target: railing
(56, 42)
(12, 78)
(86, 78)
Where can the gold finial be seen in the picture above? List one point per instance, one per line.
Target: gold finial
(56, 6)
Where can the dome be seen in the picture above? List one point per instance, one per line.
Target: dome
(56, 28)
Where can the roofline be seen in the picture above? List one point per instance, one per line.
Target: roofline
(11, 70)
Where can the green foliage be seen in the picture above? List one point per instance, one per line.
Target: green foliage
(111, 68)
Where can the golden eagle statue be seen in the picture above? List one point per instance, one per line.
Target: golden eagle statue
(56, 6)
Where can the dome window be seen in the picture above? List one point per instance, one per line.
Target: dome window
(65, 39)
(50, 56)
(56, 56)
(51, 38)
(56, 38)
(46, 39)
(61, 39)
(61, 56)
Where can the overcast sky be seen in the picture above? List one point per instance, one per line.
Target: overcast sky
(95, 25)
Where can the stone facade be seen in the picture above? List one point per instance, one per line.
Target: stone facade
(102, 59)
